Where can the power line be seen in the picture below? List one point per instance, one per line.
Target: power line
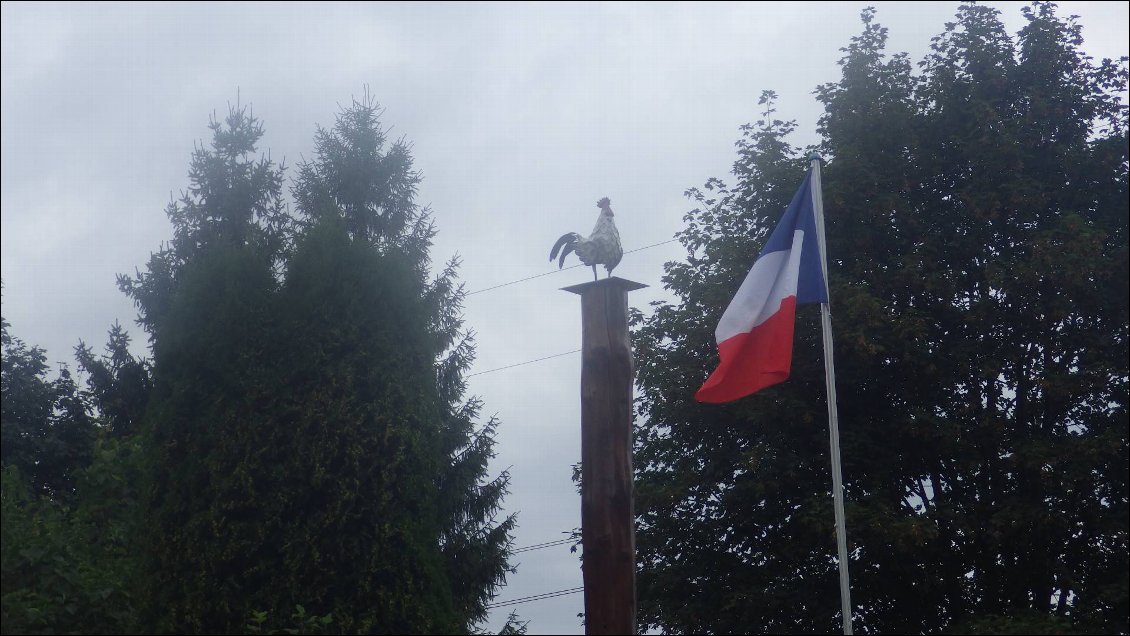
(522, 280)
(539, 546)
(647, 247)
(511, 366)
(535, 597)
(558, 271)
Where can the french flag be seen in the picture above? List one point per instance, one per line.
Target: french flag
(755, 335)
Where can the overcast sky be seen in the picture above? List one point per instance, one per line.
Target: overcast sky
(521, 117)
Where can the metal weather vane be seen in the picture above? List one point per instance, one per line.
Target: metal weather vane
(602, 247)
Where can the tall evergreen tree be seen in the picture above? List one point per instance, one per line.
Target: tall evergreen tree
(307, 440)
(208, 302)
(977, 253)
(211, 440)
(233, 200)
(363, 185)
(363, 540)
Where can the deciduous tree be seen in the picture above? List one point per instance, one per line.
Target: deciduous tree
(978, 267)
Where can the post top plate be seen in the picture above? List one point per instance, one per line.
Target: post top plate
(612, 281)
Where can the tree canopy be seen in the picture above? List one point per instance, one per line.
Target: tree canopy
(47, 431)
(300, 445)
(977, 246)
(309, 437)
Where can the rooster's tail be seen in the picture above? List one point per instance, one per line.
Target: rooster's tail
(569, 243)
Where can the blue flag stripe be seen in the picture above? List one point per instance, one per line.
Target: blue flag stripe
(800, 215)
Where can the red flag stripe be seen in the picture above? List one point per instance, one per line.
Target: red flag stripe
(753, 360)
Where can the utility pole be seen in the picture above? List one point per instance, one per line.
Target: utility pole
(608, 537)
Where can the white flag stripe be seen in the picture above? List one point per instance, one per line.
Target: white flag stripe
(772, 279)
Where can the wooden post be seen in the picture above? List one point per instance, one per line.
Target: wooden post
(608, 537)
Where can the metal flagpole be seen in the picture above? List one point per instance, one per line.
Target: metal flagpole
(833, 419)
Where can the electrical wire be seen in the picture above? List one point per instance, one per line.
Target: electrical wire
(518, 364)
(535, 597)
(558, 271)
(522, 280)
(539, 546)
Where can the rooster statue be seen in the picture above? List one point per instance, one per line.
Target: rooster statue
(602, 247)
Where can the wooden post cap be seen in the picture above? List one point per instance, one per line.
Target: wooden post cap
(612, 281)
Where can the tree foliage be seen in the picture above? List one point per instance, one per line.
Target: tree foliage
(234, 200)
(46, 427)
(977, 242)
(63, 570)
(301, 437)
(68, 556)
(118, 383)
(365, 187)
(307, 440)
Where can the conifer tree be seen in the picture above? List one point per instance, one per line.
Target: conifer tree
(364, 186)
(118, 383)
(208, 302)
(307, 441)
